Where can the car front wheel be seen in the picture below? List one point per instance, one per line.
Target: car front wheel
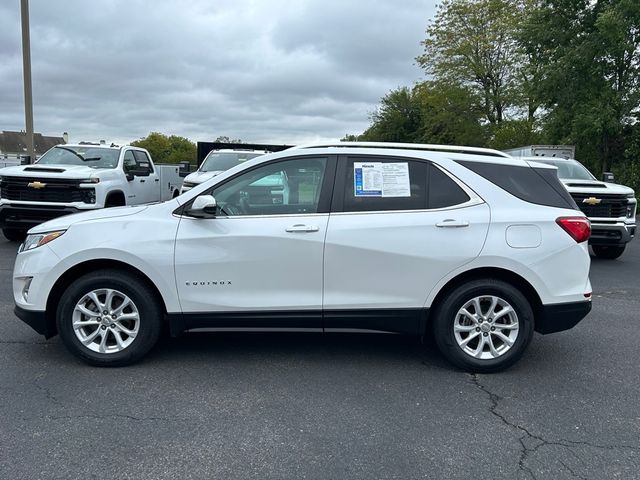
(109, 318)
(483, 326)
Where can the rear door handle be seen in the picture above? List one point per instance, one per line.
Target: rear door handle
(452, 223)
(302, 228)
(142, 181)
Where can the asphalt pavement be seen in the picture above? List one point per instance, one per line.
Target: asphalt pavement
(340, 406)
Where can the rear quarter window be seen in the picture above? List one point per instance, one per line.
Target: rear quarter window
(540, 186)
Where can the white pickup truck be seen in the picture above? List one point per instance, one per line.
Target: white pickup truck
(76, 178)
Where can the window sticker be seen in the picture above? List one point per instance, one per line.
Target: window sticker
(376, 179)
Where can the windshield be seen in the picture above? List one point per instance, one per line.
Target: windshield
(88, 156)
(220, 161)
(569, 169)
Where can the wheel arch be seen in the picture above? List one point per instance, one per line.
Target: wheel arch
(63, 282)
(118, 196)
(497, 273)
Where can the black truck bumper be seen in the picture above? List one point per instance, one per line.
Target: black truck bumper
(561, 316)
(23, 217)
(614, 234)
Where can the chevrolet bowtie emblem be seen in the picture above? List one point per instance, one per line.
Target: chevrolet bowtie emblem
(591, 201)
(36, 185)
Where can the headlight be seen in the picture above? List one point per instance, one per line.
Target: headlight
(90, 180)
(189, 184)
(38, 239)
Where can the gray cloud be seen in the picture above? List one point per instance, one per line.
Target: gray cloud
(277, 71)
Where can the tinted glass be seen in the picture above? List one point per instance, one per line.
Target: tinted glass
(129, 161)
(287, 187)
(94, 157)
(443, 191)
(220, 161)
(407, 194)
(534, 185)
(569, 169)
(142, 160)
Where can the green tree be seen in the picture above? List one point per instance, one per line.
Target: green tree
(473, 43)
(225, 139)
(430, 112)
(168, 149)
(397, 119)
(450, 114)
(590, 82)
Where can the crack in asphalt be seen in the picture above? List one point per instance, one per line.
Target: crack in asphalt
(526, 451)
(47, 393)
(103, 417)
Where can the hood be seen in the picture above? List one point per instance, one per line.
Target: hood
(75, 172)
(62, 223)
(595, 186)
(201, 177)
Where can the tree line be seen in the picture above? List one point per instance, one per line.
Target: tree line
(173, 148)
(508, 73)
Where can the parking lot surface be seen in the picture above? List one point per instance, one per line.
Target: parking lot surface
(231, 405)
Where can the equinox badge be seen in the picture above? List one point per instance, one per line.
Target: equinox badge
(37, 185)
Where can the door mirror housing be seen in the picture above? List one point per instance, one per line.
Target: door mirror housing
(131, 173)
(608, 177)
(204, 206)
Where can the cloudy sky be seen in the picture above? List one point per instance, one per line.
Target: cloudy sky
(263, 71)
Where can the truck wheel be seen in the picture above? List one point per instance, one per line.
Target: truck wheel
(608, 252)
(109, 318)
(14, 235)
(483, 326)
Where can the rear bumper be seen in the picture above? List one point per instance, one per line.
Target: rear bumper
(23, 217)
(37, 320)
(611, 234)
(561, 316)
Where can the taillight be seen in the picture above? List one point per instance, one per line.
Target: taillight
(578, 227)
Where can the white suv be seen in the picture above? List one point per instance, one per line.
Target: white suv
(469, 245)
(216, 162)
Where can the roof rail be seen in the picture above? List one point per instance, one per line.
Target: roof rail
(410, 146)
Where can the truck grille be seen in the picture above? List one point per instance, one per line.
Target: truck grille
(54, 190)
(610, 206)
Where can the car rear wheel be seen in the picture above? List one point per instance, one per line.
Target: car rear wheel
(483, 326)
(109, 318)
(14, 235)
(608, 252)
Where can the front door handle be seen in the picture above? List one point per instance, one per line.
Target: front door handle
(142, 181)
(302, 228)
(452, 223)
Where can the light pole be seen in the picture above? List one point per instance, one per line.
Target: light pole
(26, 70)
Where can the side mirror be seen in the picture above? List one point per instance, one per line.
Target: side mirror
(129, 176)
(608, 177)
(204, 206)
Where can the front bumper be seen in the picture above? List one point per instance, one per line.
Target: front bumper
(37, 320)
(615, 233)
(562, 316)
(23, 217)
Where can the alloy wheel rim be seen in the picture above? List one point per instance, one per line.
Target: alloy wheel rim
(106, 321)
(486, 327)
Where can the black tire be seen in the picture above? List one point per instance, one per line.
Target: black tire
(445, 316)
(608, 252)
(143, 297)
(14, 235)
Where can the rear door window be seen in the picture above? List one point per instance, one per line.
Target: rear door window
(394, 184)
